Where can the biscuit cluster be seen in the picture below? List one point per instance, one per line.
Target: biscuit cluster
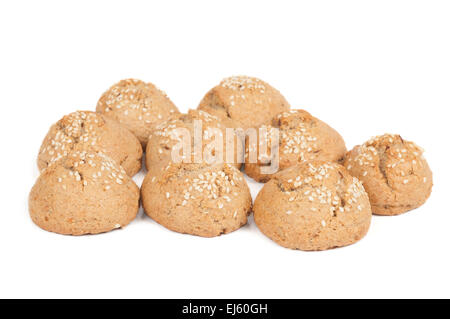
(320, 197)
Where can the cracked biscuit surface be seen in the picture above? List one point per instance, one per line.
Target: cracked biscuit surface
(302, 138)
(394, 173)
(90, 131)
(197, 199)
(139, 106)
(249, 101)
(168, 136)
(313, 206)
(83, 193)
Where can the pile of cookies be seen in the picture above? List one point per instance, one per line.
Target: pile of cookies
(322, 196)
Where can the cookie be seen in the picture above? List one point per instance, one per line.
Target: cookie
(302, 138)
(168, 136)
(249, 101)
(90, 131)
(139, 106)
(83, 193)
(313, 206)
(197, 199)
(394, 173)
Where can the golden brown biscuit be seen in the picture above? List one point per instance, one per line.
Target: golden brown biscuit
(394, 173)
(313, 206)
(197, 199)
(90, 131)
(168, 135)
(83, 193)
(249, 101)
(138, 105)
(302, 138)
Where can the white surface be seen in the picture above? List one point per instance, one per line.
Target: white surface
(364, 67)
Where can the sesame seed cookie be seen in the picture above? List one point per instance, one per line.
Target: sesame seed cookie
(90, 131)
(197, 199)
(249, 101)
(138, 105)
(168, 135)
(302, 138)
(83, 193)
(313, 206)
(394, 173)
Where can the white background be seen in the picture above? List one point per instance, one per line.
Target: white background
(365, 67)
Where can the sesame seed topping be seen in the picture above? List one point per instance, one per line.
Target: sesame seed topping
(240, 83)
(75, 128)
(133, 95)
